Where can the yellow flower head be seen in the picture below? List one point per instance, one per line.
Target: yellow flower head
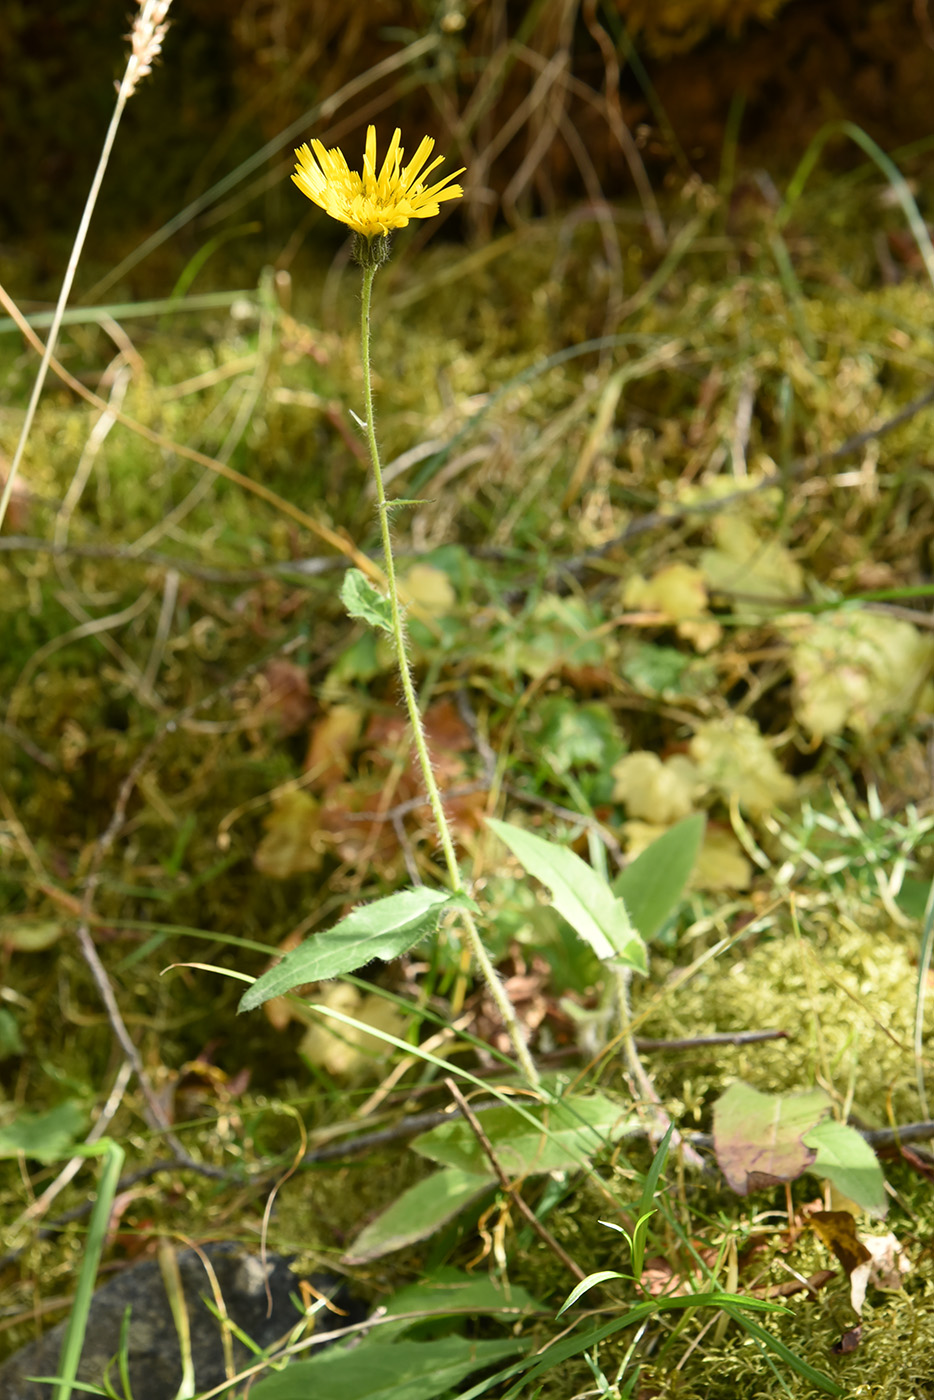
(373, 205)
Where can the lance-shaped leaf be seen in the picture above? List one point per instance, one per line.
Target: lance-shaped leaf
(653, 884)
(419, 1212)
(579, 894)
(384, 929)
(542, 1138)
(382, 1370)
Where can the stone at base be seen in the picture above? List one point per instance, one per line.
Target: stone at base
(154, 1359)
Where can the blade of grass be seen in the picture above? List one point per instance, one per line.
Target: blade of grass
(73, 1343)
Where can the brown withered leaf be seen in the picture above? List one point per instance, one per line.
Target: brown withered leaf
(758, 1137)
(331, 745)
(905, 1153)
(837, 1230)
(287, 701)
(289, 846)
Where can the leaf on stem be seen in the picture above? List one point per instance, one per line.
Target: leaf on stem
(579, 894)
(384, 929)
(364, 601)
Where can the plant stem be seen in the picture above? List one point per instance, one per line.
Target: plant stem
(482, 958)
(148, 30)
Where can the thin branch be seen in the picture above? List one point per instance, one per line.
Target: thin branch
(659, 519)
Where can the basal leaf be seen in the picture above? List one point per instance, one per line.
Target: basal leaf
(382, 1370)
(447, 1291)
(44, 1136)
(384, 929)
(418, 1212)
(579, 894)
(364, 601)
(563, 1135)
(845, 1158)
(653, 885)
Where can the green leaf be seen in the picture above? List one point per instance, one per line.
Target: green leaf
(418, 1212)
(585, 1286)
(653, 885)
(447, 1291)
(384, 929)
(381, 1370)
(46, 1137)
(364, 601)
(845, 1158)
(577, 736)
(579, 1341)
(580, 895)
(11, 1042)
(760, 1138)
(562, 1135)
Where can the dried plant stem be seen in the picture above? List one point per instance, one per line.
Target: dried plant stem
(512, 1191)
(475, 942)
(148, 32)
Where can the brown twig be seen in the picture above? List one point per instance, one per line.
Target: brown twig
(695, 1042)
(511, 1190)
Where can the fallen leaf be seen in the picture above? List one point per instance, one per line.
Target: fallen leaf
(734, 759)
(351, 1052)
(287, 700)
(678, 592)
(430, 589)
(855, 670)
(289, 847)
(837, 1230)
(721, 862)
(889, 1263)
(654, 791)
(758, 1138)
(760, 571)
(331, 744)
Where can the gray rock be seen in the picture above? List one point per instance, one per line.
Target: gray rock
(154, 1357)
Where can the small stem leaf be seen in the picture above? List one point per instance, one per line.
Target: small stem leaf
(364, 601)
(580, 895)
(385, 929)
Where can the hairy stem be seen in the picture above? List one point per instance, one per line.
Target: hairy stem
(481, 957)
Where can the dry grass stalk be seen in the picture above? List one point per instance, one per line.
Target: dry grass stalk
(149, 29)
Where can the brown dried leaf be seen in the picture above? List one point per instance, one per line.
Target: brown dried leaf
(289, 846)
(758, 1137)
(288, 700)
(330, 748)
